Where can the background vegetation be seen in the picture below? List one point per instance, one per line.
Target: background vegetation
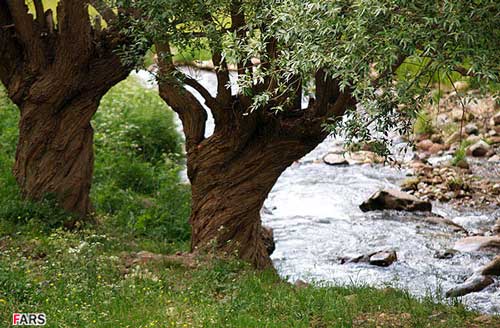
(136, 186)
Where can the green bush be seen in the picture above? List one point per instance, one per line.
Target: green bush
(423, 124)
(133, 120)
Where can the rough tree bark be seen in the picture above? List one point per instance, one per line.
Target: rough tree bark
(229, 189)
(57, 76)
(233, 171)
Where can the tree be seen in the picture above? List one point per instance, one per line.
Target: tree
(345, 57)
(56, 74)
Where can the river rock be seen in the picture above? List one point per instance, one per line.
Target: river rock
(391, 199)
(476, 243)
(359, 258)
(496, 228)
(268, 237)
(384, 258)
(437, 138)
(364, 157)
(492, 268)
(471, 128)
(463, 164)
(446, 254)
(425, 144)
(472, 139)
(479, 149)
(436, 148)
(335, 159)
(494, 158)
(299, 283)
(438, 220)
(475, 283)
(495, 120)
(494, 140)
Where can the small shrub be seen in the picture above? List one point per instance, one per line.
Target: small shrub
(460, 153)
(423, 124)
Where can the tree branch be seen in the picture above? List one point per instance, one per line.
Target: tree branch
(209, 100)
(75, 38)
(222, 72)
(190, 111)
(238, 24)
(104, 10)
(27, 34)
(40, 13)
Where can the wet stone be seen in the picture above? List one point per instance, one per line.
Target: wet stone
(383, 259)
(335, 159)
(476, 283)
(446, 254)
(479, 149)
(391, 199)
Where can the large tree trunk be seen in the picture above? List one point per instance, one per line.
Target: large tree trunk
(55, 153)
(56, 74)
(229, 188)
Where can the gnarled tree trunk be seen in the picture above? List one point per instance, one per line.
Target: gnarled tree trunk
(229, 189)
(233, 171)
(55, 153)
(56, 74)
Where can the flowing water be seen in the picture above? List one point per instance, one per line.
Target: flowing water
(313, 210)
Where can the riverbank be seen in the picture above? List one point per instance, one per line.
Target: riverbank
(99, 278)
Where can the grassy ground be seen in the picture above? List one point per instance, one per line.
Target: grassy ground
(82, 280)
(86, 278)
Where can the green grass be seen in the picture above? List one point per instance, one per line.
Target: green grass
(81, 278)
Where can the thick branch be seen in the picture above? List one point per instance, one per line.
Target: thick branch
(104, 10)
(74, 32)
(327, 92)
(190, 111)
(238, 24)
(222, 72)
(209, 100)
(27, 34)
(40, 13)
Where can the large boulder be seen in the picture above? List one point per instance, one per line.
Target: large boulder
(475, 283)
(391, 199)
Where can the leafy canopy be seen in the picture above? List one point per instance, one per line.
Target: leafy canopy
(359, 44)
